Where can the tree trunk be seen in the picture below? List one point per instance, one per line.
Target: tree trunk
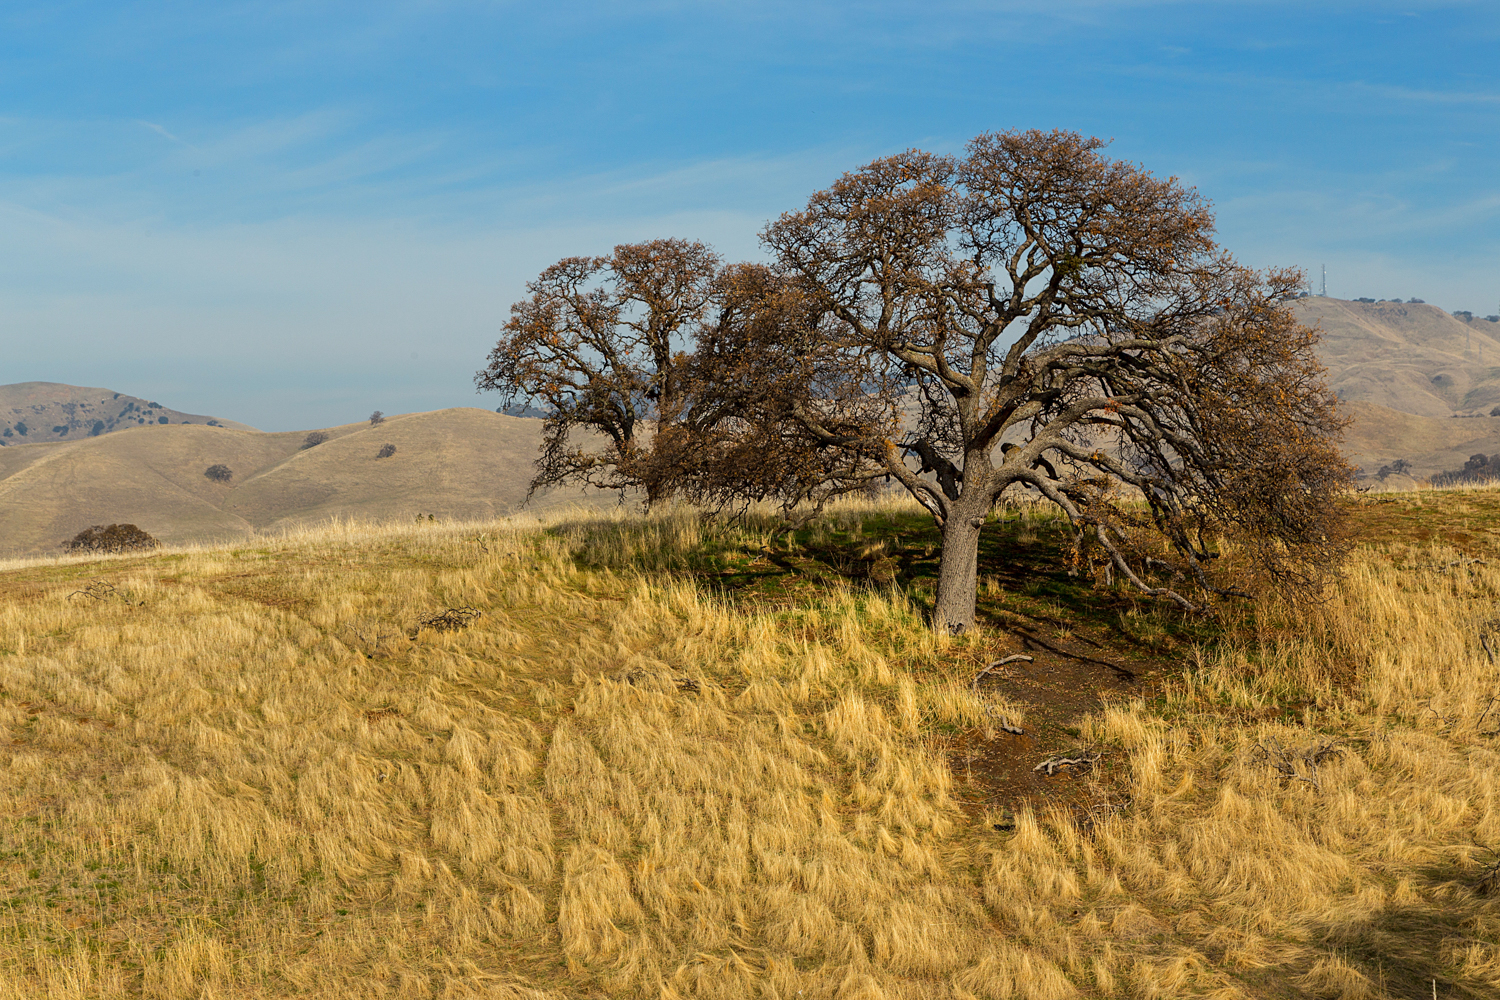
(958, 571)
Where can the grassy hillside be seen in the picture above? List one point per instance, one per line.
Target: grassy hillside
(1379, 436)
(677, 759)
(458, 463)
(1406, 356)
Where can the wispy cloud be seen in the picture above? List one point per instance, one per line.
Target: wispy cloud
(159, 130)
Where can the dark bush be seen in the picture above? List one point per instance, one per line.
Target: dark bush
(1478, 469)
(219, 473)
(111, 538)
(1495, 412)
(314, 439)
(161, 420)
(1399, 467)
(386, 451)
(377, 418)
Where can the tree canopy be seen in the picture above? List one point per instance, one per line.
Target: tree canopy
(1032, 315)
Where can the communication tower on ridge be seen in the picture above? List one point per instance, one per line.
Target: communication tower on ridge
(1324, 292)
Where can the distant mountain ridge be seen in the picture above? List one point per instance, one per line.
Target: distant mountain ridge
(33, 412)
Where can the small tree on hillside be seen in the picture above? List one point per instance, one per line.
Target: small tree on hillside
(377, 418)
(386, 451)
(1399, 467)
(314, 439)
(111, 538)
(1033, 314)
(219, 473)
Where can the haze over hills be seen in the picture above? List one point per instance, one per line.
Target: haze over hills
(455, 464)
(32, 412)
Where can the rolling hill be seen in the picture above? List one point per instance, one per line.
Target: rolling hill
(33, 412)
(1380, 436)
(1409, 357)
(456, 463)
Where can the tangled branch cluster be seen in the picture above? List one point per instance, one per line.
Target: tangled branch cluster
(1297, 765)
(447, 620)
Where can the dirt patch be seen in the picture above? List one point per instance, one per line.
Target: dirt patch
(1064, 681)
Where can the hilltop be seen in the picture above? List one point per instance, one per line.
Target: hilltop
(454, 464)
(35, 412)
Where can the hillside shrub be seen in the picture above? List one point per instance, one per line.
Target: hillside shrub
(314, 439)
(386, 451)
(111, 538)
(219, 473)
(1478, 469)
(1399, 467)
(377, 418)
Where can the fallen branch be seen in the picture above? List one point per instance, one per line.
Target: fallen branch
(1014, 658)
(1489, 880)
(1493, 698)
(1489, 631)
(100, 590)
(97, 590)
(1051, 764)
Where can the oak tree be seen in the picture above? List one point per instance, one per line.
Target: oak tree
(1063, 322)
(601, 341)
(1032, 315)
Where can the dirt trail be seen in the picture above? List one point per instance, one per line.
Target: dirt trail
(1065, 680)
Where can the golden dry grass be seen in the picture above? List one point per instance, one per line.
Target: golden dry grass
(236, 776)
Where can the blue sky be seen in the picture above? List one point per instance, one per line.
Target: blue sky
(291, 214)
